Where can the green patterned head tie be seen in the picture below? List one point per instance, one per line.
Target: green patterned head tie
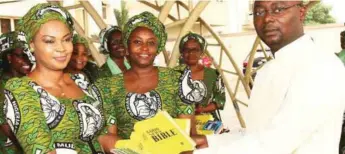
(197, 37)
(38, 15)
(81, 40)
(103, 37)
(148, 20)
(9, 41)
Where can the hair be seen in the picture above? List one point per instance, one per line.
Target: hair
(5, 64)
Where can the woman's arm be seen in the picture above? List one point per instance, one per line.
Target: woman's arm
(109, 139)
(29, 123)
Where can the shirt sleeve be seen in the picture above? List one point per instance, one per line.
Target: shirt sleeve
(219, 92)
(105, 85)
(311, 100)
(28, 121)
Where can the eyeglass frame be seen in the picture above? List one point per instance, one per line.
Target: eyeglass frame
(281, 10)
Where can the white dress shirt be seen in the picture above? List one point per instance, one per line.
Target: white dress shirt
(296, 106)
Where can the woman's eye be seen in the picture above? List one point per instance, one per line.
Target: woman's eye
(137, 42)
(152, 43)
(68, 39)
(49, 41)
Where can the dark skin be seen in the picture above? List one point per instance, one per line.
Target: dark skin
(142, 48)
(19, 66)
(277, 30)
(78, 59)
(117, 49)
(280, 30)
(191, 53)
(53, 48)
(19, 63)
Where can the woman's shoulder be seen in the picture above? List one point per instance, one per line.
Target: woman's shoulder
(180, 68)
(169, 73)
(18, 83)
(110, 81)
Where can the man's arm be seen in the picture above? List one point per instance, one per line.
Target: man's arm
(312, 100)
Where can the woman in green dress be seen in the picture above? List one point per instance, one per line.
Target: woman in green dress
(201, 85)
(14, 63)
(112, 46)
(48, 110)
(144, 89)
(79, 58)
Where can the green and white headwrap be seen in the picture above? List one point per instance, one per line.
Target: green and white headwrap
(38, 15)
(9, 41)
(197, 37)
(148, 20)
(103, 37)
(77, 39)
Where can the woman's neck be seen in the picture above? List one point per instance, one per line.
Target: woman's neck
(196, 67)
(46, 77)
(118, 60)
(14, 73)
(143, 72)
(72, 70)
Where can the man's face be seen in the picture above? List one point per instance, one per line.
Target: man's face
(278, 23)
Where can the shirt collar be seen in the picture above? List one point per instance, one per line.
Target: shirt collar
(292, 49)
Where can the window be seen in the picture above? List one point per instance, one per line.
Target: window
(5, 25)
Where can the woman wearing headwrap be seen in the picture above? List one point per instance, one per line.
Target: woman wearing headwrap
(144, 89)
(205, 88)
(45, 109)
(79, 58)
(112, 45)
(14, 63)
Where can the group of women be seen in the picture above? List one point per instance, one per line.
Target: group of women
(53, 104)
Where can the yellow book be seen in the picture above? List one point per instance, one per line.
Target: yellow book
(200, 121)
(184, 124)
(160, 133)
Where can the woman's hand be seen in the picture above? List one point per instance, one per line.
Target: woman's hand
(108, 141)
(200, 140)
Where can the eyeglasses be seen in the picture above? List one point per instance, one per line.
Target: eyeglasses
(274, 12)
(189, 51)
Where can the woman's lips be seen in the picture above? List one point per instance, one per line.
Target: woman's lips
(61, 58)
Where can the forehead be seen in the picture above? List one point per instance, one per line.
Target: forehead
(191, 43)
(270, 3)
(116, 33)
(18, 50)
(53, 28)
(79, 47)
(139, 31)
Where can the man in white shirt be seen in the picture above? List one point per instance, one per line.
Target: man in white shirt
(297, 102)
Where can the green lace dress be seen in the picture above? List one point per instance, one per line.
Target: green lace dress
(132, 107)
(6, 146)
(42, 122)
(110, 68)
(202, 92)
